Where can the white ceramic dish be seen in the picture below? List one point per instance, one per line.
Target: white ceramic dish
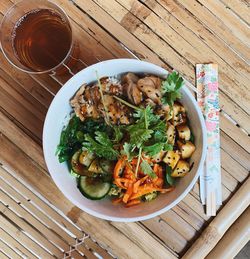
(56, 119)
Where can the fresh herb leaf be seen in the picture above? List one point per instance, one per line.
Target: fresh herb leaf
(118, 134)
(68, 140)
(167, 147)
(171, 87)
(170, 180)
(103, 138)
(102, 147)
(146, 116)
(127, 151)
(139, 136)
(192, 137)
(146, 169)
(153, 149)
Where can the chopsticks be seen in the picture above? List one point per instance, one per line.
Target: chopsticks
(208, 101)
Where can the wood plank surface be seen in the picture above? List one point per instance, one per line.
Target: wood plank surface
(173, 34)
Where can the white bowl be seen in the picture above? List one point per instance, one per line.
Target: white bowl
(59, 112)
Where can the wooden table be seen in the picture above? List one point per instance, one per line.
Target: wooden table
(37, 220)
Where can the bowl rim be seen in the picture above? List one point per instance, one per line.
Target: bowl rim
(138, 218)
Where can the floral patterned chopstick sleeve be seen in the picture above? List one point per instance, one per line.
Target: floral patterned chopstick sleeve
(208, 101)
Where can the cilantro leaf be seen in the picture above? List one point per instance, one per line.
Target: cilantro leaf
(118, 134)
(167, 147)
(146, 169)
(127, 150)
(103, 138)
(171, 87)
(102, 147)
(153, 149)
(146, 117)
(139, 136)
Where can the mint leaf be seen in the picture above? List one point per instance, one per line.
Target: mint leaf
(170, 180)
(146, 169)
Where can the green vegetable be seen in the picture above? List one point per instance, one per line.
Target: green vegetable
(192, 137)
(102, 146)
(93, 188)
(127, 151)
(153, 149)
(118, 133)
(146, 169)
(68, 140)
(151, 196)
(171, 87)
(169, 179)
(115, 191)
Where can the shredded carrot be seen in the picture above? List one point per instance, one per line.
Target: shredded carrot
(117, 200)
(132, 203)
(137, 186)
(128, 193)
(119, 168)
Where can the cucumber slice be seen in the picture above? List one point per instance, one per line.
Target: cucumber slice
(77, 167)
(107, 166)
(95, 167)
(93, 188)
(86, 158)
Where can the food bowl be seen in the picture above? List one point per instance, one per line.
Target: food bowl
(58, 115)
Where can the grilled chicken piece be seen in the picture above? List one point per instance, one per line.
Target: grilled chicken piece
(117, 112)
(77, 100)
(130, 88)
(150, 87)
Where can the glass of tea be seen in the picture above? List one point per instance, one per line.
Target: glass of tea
(36, 36)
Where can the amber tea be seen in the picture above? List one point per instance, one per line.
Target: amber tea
(41, 39)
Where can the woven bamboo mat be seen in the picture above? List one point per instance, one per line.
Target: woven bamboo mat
(36, 220)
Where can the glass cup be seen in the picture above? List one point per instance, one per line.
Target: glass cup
(36, 37)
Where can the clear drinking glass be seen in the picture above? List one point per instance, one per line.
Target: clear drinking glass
(36, 37)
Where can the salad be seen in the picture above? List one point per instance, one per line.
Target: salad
(128, 138)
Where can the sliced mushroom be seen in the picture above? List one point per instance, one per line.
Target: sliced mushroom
(147, 86)
(130, 88)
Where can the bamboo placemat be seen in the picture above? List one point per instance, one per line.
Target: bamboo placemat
(173, 34)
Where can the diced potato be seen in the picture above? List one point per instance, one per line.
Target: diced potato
(181, 169)
(179, 114)
(171, 158)
(184, 132)
(158, 158)
(171, 134)
(187, 148)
